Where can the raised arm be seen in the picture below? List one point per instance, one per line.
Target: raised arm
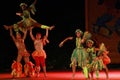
(25, 34)
(19, 14)
(66, 39)
(35, 1)
(11, 34)
(46, 33)
(31, 35)
(45, 38)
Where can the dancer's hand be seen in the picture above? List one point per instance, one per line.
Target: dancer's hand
(61, 44)
(52, 27)
(70, 38)
(19, 14)
(31, 28)
(24, 30)
(6, 27)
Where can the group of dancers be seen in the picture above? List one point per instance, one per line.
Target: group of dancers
(85, 55)
(22, 27)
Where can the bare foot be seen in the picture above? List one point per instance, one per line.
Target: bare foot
(73, 75)
(51, 27)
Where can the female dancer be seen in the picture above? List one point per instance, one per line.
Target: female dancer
(103, 53)
(22, 53)
(27, 21)
(93, 61)
(39, 55)
(79, 54)
(98, 59)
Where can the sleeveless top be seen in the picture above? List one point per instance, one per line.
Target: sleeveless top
(38, 45)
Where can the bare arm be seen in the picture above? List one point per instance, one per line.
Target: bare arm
(45, 38)
(35, 1)
(46, 33)
(19, 14)
(31, 35)
(25, 34)
(97, 49)
(66, 39)
(83, 40)
(11, 34)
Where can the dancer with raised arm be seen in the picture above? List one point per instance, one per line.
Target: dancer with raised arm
(27, 21)
(39, 55)
(93, 61)
(97, 59)
(103, 54)
(22, 53)
(78, 57)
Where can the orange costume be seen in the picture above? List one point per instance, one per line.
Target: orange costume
(106, 59)
(16, 69)
(22, 53)
(39, 55)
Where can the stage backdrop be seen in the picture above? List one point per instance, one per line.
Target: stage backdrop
(103, 21)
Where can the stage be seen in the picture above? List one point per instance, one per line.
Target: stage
(63, 75)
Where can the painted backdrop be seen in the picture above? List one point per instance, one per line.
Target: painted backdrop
(103, 21)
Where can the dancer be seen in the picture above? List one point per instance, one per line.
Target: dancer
(93, 61)
(78, 57)
(103, 54)
(98, 59)
(27, 21)
(39, 55)
(22, 53)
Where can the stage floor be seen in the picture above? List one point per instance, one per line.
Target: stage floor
(64, 75)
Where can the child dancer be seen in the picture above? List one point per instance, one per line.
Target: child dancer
(22, 53)
(103, 53)
(27, 21)
(93, 61)
(39, 55)
(79, 54)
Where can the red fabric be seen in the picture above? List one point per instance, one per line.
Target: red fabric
(106, 60)
(39, 60)
(17, 66)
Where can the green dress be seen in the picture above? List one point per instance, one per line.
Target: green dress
(95, 63)
(27, 21)
(79, 54)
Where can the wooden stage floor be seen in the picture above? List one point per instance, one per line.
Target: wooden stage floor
(63, 75)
